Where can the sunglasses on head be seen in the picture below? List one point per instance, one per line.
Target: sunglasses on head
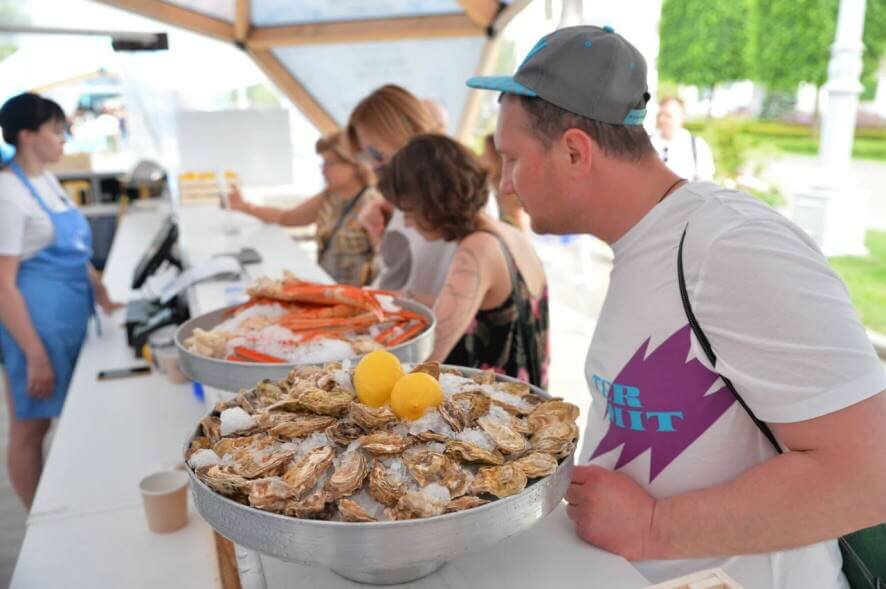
(371, 154)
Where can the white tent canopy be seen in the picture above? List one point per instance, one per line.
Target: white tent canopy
(325, 56)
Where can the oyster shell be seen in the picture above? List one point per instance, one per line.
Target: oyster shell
(230, 445)
(352, 512)
(550, 412)
(423, 503)
(506, 439)
(382, 488)
(557, 438)
(383, 443)
(305, 473)
(454, 415)
(426, 437)
(267, 393)
(501, 481)
(289, 404)
(536, 465)
(485, 377)
(211, 427)
(301, 426)
(451, 370)
(247, 466)
(223, 481)
(520, 389)
(475, 402)
(270, 494)
(432, 368)
(428, 467)
(370, 418)
(348, 476)
(314, 506)
(344, 432)
(465, 502)
(467, 452)
(322, 402)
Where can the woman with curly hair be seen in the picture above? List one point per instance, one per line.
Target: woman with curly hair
(492, 311)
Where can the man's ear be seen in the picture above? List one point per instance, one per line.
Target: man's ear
(579, 149)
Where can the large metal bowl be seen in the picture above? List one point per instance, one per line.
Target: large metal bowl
(233, 376)
(383, 553)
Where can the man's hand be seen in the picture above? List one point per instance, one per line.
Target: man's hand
(611, 511)
(41, 377)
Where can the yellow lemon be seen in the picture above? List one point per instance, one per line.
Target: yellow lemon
(375, 376)
(414, 394)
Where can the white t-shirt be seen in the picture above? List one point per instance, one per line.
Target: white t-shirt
(412, 263)
(25, 228)
(783, 329)
(680, 158)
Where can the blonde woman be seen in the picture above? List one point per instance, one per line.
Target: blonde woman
(379, 126)
(343, 246)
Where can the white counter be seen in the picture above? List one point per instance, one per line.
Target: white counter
(87, 528)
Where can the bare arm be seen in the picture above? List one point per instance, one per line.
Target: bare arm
(101, 293)
(15, 318)
(831, 483)
(302, 214)
(462, 294)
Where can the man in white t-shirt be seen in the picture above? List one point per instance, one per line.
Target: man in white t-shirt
(687, 155)
(674, 474)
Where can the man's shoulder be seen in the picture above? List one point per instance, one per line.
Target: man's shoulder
(726, 212)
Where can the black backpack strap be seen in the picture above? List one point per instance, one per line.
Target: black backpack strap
(709, 351)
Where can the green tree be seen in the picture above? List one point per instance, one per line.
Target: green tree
(10, 13)
(705, 42)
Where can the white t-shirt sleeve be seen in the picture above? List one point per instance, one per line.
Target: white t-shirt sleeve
(12, 228)
(781, 324)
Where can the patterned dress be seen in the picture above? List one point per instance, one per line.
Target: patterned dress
(343, 247)
(512, 338)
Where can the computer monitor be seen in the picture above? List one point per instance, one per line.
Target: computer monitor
(160, 250)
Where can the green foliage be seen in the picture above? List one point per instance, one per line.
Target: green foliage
(704, 42)
(729, 145)
(779, 43)
(774, 137)
(866, 279)
(792, 41)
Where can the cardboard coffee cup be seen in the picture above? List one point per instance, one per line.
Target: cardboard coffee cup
(166, 501)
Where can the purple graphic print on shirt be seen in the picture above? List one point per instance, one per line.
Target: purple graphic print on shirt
(658, 402)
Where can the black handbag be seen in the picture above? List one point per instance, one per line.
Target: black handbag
(864, 551)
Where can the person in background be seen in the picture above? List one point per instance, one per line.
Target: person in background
(343, 246)
(674, 473)
(47, 285)
(439, 113)
(510, 208)
(687, 155)
(492, 312)
(379, 125)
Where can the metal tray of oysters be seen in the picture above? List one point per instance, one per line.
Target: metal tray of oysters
(302, 471)
(310, 323)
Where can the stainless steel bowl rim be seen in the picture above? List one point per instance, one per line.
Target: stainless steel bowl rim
(495, 504)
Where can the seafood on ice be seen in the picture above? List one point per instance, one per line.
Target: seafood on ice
(306, 447)
(292, 321)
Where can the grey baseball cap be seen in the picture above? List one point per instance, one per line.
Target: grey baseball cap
(590, 71)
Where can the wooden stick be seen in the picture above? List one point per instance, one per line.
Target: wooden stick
(226, 559)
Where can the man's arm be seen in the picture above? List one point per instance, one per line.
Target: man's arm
(831, 482)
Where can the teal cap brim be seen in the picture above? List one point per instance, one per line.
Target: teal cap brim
(505, 84)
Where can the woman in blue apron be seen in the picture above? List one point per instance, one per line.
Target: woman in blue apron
(47, 285)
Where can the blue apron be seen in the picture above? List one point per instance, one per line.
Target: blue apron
(58, 294)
